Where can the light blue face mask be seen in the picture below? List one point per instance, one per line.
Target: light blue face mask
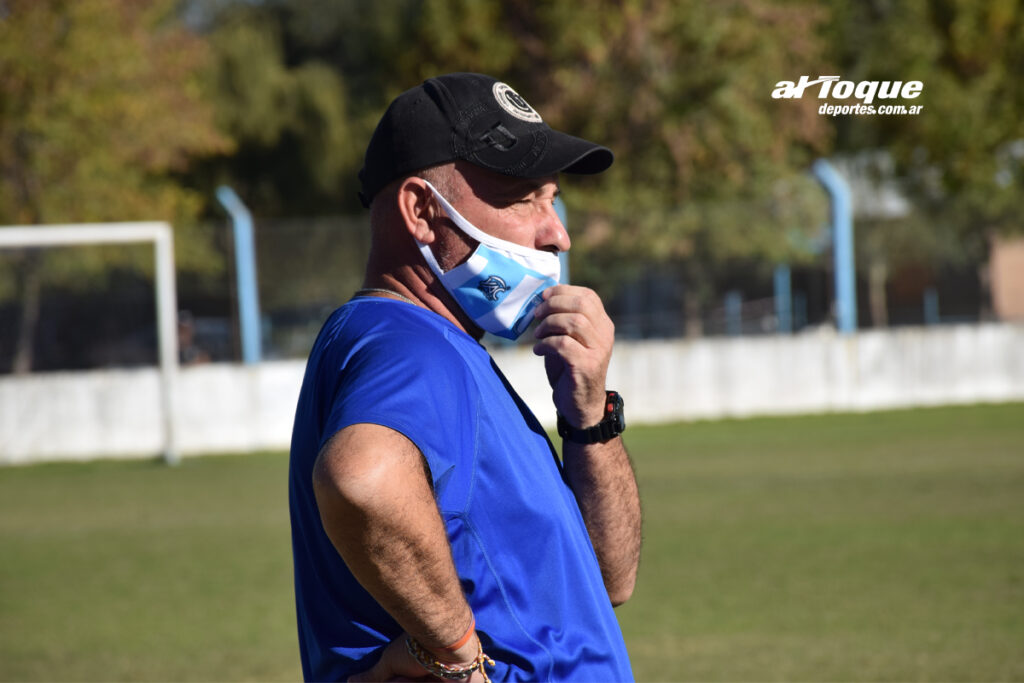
(501, 282)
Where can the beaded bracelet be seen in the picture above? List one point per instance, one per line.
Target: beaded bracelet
(438, 668)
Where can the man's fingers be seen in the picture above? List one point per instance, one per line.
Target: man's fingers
(573, 325)
(395, 664)
(378, 672)
(564, 299)
(575, 337)
(576, 301)
(558, 345)
(563, 354)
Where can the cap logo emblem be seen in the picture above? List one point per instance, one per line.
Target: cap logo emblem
(512, 102)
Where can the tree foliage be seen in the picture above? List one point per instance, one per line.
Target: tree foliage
(100, 102)
(291, 120)
(706, 171)
(679, 90)
(706, 168)
(101, 105)
(961, 161)
(116, 109)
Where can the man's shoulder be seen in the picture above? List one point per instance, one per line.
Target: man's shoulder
(396, 331)
(396, 365)
(383, 318)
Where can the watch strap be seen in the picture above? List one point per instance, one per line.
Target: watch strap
(610, 426)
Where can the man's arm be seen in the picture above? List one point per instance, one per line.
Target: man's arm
(576, 338)
(378, 509)
(602, 478)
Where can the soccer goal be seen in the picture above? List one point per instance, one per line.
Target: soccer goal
(162, 237)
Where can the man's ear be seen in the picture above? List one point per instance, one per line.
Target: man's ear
(416, 206)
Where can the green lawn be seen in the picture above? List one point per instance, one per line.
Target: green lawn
(885, 546)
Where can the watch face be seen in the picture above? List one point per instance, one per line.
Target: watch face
(618, 417)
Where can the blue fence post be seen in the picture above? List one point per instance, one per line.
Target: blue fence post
(799, 310)
(733, 313)
(841, 219)
(931, 306)
(563, 257)
(245, 270)
(783, 299)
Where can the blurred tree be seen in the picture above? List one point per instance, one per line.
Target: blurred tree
(708, 169)
(289, 117)
(300, 84)
(100, 101)
(961, 161)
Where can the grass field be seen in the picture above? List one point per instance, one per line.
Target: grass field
(886, 546)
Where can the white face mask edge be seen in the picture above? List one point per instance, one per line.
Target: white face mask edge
(501, 282)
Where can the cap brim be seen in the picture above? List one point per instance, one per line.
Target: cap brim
(569, 154)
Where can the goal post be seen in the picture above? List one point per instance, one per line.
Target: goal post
(162, 237)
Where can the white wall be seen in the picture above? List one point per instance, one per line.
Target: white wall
(236, 408)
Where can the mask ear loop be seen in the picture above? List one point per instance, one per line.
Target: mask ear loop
(428, 255)
(425, 250)
(480, 236)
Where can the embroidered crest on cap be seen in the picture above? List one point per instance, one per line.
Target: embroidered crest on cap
(514, 104)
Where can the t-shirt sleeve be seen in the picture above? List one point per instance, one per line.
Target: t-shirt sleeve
(417, 386)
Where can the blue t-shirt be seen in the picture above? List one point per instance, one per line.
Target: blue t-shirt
(521, 550)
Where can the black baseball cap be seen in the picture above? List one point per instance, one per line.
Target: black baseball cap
(474, 118)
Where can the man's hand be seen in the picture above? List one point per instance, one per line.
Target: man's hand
(576, 338)
(396, 664)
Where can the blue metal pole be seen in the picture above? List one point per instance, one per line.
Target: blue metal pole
(563, 257)
(931, 306)
(842, 244)
(733, 313)
(799, 310)
(783, 299)
(245, 269)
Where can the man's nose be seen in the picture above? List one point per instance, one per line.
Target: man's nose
(552, 232)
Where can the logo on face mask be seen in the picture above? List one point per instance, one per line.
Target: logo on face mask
(500, 284)
(493, 287)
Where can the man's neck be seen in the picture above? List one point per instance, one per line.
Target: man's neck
(423, 290)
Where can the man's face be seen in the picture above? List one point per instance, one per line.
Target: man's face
(513, 209)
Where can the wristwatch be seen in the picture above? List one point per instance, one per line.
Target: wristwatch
(611, 425)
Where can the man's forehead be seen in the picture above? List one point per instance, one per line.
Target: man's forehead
(482, 180)
(520, 187)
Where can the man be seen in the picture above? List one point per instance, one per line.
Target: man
(435, 530)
